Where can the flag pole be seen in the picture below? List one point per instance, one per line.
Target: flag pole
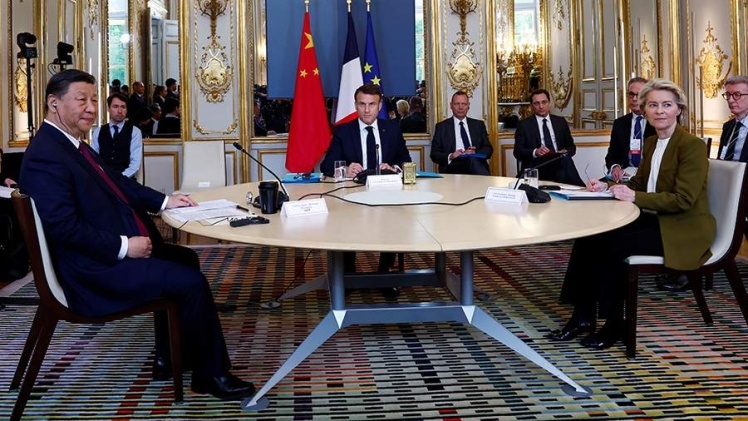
(306, 5)
(349, 5)
(368, 3)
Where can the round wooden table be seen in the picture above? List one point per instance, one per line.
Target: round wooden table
(458, 221)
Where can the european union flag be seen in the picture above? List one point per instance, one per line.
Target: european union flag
(371, 63)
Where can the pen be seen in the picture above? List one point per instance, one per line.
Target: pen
(242, 208)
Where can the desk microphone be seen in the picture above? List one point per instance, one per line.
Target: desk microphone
(542, 164)
(282, 196)
(379, 170)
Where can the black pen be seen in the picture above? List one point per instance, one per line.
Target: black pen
(242, 208)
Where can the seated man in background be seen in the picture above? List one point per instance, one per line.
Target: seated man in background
(628, 135)
(365, 144)
(415, 121)
(542, 137)
(453, 155)
(107, 252)
(119, 142)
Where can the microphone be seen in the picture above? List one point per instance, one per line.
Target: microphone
(542, 164)
(379, 170)
(282, 196)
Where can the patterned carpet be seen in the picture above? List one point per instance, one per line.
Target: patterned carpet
(435, 371)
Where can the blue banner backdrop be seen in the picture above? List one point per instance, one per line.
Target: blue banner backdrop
(394, 29)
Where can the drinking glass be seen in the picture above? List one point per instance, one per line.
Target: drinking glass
(531, 177)
(340, 170)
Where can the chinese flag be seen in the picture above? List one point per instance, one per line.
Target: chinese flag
(309, 136)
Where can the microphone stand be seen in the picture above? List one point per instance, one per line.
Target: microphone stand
(29, 98)
(283, 196)
(541, 165)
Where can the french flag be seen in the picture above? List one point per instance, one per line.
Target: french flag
(351, 78)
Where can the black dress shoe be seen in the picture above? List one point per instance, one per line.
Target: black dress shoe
(673, 283)
(606, 337)
(573, 328)
(227, 387)
(393, 292)
(161, 369)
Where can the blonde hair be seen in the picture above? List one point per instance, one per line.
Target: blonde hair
(402, 107)
(665, 85)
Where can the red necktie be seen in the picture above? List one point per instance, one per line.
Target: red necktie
(142, 230)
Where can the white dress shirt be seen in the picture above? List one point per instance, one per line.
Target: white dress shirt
(363, 133)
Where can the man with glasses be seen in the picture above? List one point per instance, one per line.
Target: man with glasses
(628, 135)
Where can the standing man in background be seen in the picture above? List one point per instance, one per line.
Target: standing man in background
(119, 142)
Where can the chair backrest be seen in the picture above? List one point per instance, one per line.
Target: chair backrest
(727, 203)
(45, 279)
(203, 165)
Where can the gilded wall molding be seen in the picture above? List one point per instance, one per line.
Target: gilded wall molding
(93, 18)
(214, 74)
(202, 130)
(562, 88)
(560, 12)
(711, 60)
(647, 64)
(464, 70)
(20, 86)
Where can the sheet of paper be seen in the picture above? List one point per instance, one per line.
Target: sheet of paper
(5, 192)
(211, 209)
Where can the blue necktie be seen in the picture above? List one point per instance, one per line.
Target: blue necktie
(464, 136)
(636, 158)
(730, 153)
(371, 153)
(116, 131)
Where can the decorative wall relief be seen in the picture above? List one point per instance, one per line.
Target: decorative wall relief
(560, 14)
(562, 88)
(647, 63)
(711, 61)
(214, 74)
(93, 17)
(202, 130)
(20, 86)
(463, 70)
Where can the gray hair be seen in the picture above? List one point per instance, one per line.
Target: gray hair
(734, 80)
(635, 79)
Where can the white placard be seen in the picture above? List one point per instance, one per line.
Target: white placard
(203, 184)
(502, 195)
(389, 181)
(297, 208)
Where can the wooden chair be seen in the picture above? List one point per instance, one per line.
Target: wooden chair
(727, 202)
(53, 307)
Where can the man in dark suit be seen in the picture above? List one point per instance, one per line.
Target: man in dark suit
(136, 101)
(170, 124)
(453, 156)
(172, 89)
(365, 144)
(542, 136)
(108, 254)
(356, 142)
(628, 135)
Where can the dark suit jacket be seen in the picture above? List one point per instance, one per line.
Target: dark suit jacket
(724, 139)
(527, 138)
(444, 141)
(83, 221)
(346, 145)
(680, 199)
(620, 140)
(134, 104)
(169, 126)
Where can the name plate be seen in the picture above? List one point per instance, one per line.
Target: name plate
(389, 181)
(296, 208)
(502, 195)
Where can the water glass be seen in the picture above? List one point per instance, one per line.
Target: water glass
(340, 170)
(531, 177)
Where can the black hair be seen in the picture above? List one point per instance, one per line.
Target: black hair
(59, 83)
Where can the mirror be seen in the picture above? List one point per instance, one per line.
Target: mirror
(142, 44)
(272, 116)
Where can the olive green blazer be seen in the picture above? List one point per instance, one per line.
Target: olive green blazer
(680, 199)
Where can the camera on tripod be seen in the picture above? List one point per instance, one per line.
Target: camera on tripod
(25, 42)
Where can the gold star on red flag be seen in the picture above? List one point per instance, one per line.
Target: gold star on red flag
(302, 73)
(316, 72)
